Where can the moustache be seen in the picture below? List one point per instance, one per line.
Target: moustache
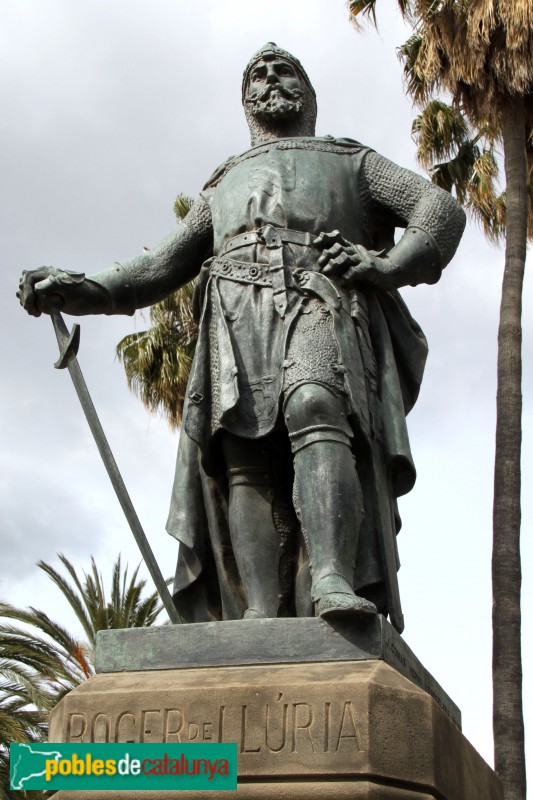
(287, 94)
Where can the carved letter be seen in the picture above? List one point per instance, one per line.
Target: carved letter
(283, 734)
(72, 733)
(327, 707)
(179, 722)
(221, 723)
(145, 730)
(245, 749)
(96, 735)
(192, 731)
(415, 676)
(120, 734)
(348, 725)
(301, 727)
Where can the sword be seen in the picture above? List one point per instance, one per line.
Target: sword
(68, 348)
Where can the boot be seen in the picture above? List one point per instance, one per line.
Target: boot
(329, 502)
(254, 538)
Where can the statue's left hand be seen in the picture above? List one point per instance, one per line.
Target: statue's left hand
(351, 264)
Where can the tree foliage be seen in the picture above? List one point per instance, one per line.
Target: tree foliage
(32, 678)
(466, 163)
(479, 51)
(40, 660)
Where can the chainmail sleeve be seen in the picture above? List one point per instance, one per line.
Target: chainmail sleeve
(148, 278)
(394, 196)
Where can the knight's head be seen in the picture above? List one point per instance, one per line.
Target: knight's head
(277, 95)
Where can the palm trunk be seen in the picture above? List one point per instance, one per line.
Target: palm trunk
(508, 722)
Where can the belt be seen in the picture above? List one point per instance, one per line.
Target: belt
(263, 275)
(273, 239)
(241, 272)
(269, 236)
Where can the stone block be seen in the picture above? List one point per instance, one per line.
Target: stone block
(266, 641)
(347, 729)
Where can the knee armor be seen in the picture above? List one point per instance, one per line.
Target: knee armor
(314, 413)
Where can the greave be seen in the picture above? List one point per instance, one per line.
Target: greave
(255, 540)
(329, 504)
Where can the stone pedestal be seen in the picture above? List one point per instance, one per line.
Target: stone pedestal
(349, 726)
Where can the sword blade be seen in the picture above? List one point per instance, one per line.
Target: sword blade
(68, 344)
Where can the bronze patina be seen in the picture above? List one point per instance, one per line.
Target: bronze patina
(294, 446)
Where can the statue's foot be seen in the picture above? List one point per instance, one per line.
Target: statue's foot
(253, 613)
(340, 604)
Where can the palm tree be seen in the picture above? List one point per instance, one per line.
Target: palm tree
(157, 361)
(469, 169)
(126, 607)
(34, 675)
(41, 661)
(31, 676)
(480, 52)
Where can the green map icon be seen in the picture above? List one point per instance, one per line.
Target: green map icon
(28, 762)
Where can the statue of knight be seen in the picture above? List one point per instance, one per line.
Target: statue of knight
(294, 446)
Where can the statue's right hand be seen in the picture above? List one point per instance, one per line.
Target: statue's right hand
(43, 290)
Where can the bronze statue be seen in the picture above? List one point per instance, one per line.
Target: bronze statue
(294, 446)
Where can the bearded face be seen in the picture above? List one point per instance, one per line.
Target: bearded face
(278, 98)
(278, 104)
(274, 90)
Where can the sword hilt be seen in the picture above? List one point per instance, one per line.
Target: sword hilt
(68, 341)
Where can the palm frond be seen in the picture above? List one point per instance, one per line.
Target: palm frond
(54, 660)
(68, 592)
(157, 362)
(367, 8)
(415, 77)
(182, 205)
(360, 9)
(439, 131)
(454, 175)
(34, 651)
(487, 206)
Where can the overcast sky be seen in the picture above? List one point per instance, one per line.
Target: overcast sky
(109, 109)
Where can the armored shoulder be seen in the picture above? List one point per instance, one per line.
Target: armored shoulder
(345, 142)
(220, 171)
(395, 195)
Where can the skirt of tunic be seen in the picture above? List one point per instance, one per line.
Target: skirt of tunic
(250, 358)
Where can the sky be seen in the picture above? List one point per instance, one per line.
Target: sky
(112, 107)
